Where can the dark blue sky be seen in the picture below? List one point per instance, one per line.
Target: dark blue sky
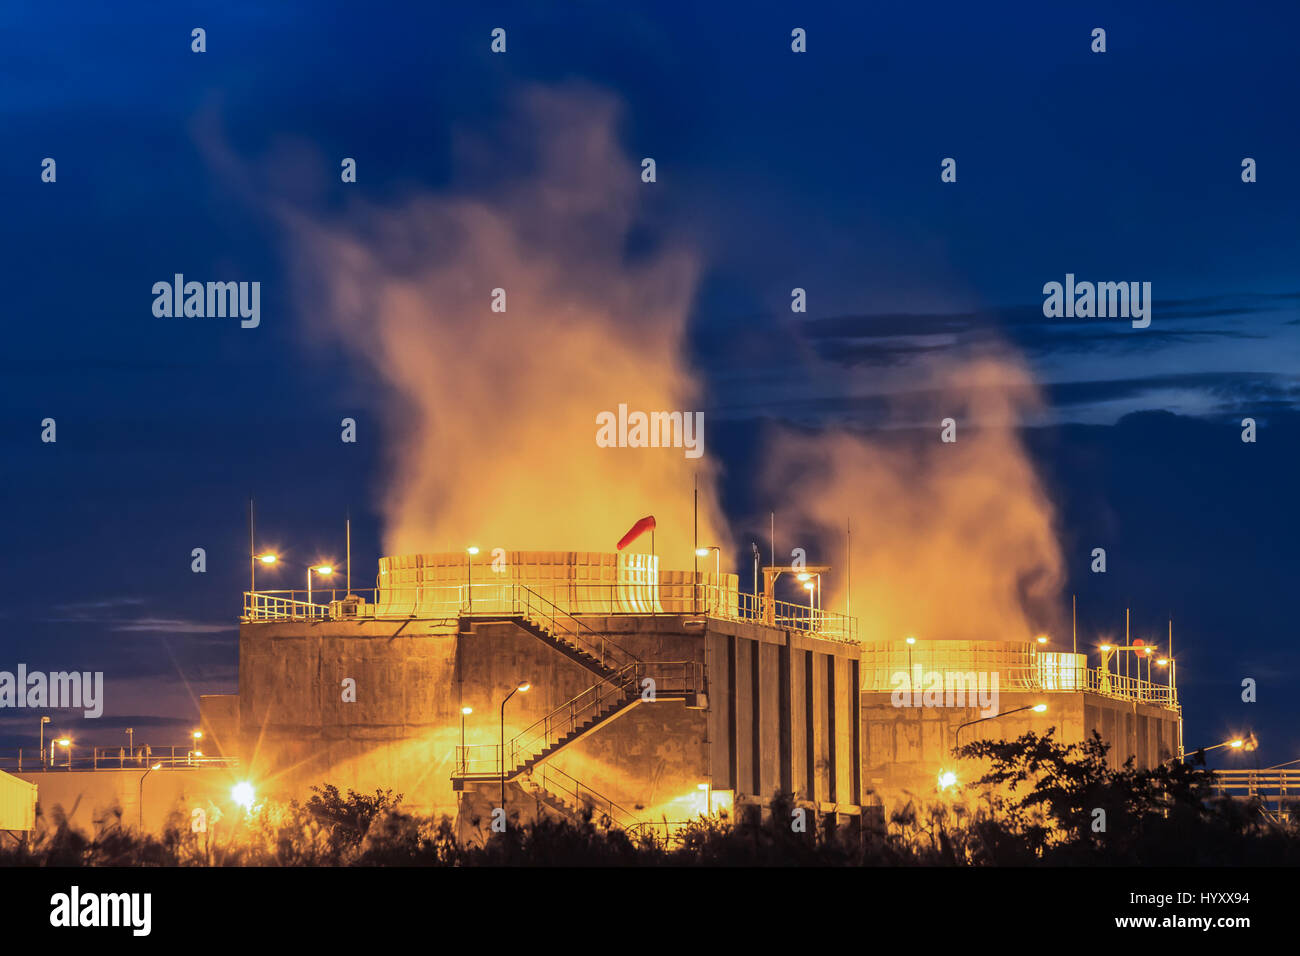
(819, 170)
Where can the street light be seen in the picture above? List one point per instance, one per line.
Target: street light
(469, 575)
(243, 794)
(44, 721)
(464, 758)
(717, 565)
(1246, 744)
(322, 569)
(141, 802)
(707, 790)
(267, 559)
(66, 744)
(521, 688)
(956, 737)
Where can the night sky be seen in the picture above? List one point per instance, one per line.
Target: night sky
(819, 170)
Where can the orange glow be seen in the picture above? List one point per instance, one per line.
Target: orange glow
(515, 392)
(932, 561)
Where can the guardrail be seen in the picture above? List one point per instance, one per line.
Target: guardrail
(566, 602)
(34, 760)
(1018, 666)
(579, 795)
(1278, 791)
(672, 680)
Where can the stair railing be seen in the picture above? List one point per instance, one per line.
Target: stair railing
(560, 784)
(547, 613)
(674, 678)
(570, 715)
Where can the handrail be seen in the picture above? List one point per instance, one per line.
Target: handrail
(553, 781)
(446, 602)
(572, 712)
(597, 644)
(564, 719)
(33, 760)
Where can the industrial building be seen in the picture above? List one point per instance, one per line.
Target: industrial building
(559, 681)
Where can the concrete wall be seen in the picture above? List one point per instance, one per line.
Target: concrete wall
(90, 799)
(761, 731)
(782, 714)
(905, 748)
(296, 730)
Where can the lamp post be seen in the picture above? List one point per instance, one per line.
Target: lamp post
(464, 758)
(956, 737)
(717, 566)
(1246, 744)
(812, 581)
(322, 569)
(44, 721)
(469, 576)
(141, 801)
(66, 744)
(520, 688)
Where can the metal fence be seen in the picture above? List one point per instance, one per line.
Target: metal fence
(449, 602)
(1018, 667)
(34, 760)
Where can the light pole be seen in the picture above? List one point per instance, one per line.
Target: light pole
(464, 759)
(813, 587)
(717, 566)
(520, 688)
(1247, 744)
(956, 737)
(707, 789)
(66, 744)
(252, 572)
(323, 569)
(469, 576)
(141, 802)
(44, 721)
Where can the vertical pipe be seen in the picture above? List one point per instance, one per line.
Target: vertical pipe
(252, 560)
(695, 584)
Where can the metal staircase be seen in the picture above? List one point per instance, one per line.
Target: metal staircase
(565, 632)
(563, 795)
(623, 682)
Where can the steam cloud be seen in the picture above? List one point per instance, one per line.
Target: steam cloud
(492, 422)
(949, 541)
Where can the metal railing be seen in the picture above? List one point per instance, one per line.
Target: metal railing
(562, 785)
(672, 680)
(1281, 788)
(555, 603)
(33, 760)
(1018, 666)
(546, 614)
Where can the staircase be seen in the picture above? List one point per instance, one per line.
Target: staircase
(619, 687)
(567, 797)
(565, 632)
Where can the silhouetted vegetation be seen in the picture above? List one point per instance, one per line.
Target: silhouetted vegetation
(1039, 802)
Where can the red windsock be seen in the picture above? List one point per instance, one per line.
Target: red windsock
(641, 527)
